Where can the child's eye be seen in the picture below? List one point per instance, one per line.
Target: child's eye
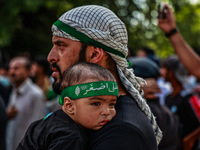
(96, 103)
(112, 104)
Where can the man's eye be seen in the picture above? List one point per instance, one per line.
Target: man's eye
(60, 45)
(96, 104)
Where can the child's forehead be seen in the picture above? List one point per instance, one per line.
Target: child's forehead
(87, 81)
(102, 98)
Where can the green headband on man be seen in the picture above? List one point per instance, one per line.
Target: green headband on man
(89, 89)
(84, 38)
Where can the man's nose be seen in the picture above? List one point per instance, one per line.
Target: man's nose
(53, 57)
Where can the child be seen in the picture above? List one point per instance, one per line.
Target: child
(89, 94)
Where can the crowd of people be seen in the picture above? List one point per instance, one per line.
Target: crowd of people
(24, 97)
(86, 96)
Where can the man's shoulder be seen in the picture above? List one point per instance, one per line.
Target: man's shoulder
(35, 89)
(122, 135)
(129, 112)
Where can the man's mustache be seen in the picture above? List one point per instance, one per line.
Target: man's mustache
(55, 65)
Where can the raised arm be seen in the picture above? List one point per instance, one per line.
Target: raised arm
(186, 54)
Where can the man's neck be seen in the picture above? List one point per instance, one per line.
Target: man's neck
(177, 87)
(20, 84)
(40, 80)
(122, 90)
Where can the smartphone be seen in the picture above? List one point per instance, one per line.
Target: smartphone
(162, 11)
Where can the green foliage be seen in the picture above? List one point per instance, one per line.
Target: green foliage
(188, 22)
(26, 24)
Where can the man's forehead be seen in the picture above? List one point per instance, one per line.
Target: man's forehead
(54, 38)
(17, 62)
(57, 39)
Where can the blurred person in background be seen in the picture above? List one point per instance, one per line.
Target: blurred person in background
(165, 87)
(40, 74)
(4, 93)
(149, 53)
(167, 121)
(4, 83)
(182, 101)
(166, 22)
(189, 58)
(4, 68)
(26, 102)
(3, 122)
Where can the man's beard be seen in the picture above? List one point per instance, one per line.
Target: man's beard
(33, 79)
(56, 84)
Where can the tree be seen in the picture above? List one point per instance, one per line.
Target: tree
(25, 24)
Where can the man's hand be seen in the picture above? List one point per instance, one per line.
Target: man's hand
(168, 23)
(151, 89)
(12, 112)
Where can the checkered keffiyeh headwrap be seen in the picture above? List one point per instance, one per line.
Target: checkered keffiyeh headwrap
(100, 27)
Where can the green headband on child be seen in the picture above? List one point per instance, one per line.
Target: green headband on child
(89, 89)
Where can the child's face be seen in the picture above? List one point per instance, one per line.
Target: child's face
(94, 112)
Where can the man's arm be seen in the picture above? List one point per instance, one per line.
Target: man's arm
(189, 140)
(186, 54)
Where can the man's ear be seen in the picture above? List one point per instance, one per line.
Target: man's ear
(68, 106)
(94, 54)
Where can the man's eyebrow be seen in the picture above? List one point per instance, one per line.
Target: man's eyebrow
(58, 42)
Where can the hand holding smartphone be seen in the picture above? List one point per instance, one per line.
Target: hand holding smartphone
(162, 11)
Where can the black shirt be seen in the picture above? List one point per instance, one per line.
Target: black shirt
(180, 105)
(3, 123)
(57, 132)
(130, 129)
(168, 123)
